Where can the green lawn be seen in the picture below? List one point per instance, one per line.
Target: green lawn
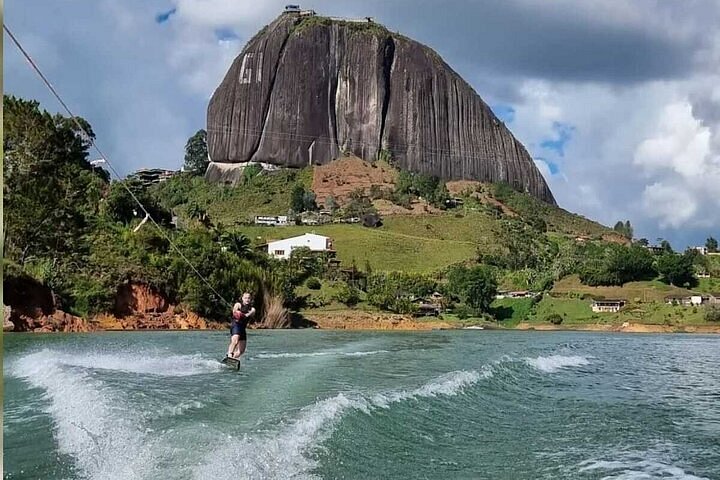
(577, 311)
(383, 248)
(511, 311)
(651, 291)
(708, 285)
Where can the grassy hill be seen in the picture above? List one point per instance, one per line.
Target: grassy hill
(418, 242)
(384, 248)
(572, 301)
(645, 292)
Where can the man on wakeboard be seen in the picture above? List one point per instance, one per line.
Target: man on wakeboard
(241, 314)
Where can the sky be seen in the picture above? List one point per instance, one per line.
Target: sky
(618, 102)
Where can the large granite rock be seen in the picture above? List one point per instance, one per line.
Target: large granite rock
(306, 89)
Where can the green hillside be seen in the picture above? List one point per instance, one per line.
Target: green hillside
(414, 243)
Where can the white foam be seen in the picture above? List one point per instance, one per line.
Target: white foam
(638, 469)
(448, 384)
(91, 423)
(179, 409)
(318, 354)
(553, 363)
(288, 454)
(141, 362)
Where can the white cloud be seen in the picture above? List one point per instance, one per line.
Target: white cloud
(681, 144)
(672, 205)
(199, 57)
(636, 152)
(544, 169)
(221, 13)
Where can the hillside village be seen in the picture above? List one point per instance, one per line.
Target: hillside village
(277, 233)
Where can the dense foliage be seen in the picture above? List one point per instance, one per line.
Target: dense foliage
(677, 270)
(71, 229)
(430, 188)
(619, 265)
(196, 153)
(711, 244)
(624, 229)
(475, 287)
(712, 313)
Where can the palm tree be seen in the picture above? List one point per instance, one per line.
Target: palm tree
(237, 243)
(197, 212)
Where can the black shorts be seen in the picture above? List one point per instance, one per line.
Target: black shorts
(238, 330)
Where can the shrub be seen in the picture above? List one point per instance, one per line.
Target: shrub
(89, 296)
(348, 295)
(313, 283)
(554, 318)
(463, 311)
(712, 313)
(251, 171)
(403, 305)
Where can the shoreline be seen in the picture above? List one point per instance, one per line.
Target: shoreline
(360, 320)
(439, 326)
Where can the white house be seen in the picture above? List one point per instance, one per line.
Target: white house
(278, 220)
(283, 248)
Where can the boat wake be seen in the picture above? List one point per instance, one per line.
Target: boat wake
(318, 354)
(636, 469)
(129, 362)
(288, 454)
(553, 363)
(92, 424)
(106, 434)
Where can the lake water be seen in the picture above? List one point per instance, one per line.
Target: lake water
(316, 404)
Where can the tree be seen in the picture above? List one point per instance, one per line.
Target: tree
(624, 229)
(309, 204)
(358, 206)
(665, 245)
(712, 245)
(331, 204)
(676, 269)
(196, 153)
(643, 242)
(619, 265)
(297, 199)
(51, 192)
(628, 229)
(475, 286)
(237, 243)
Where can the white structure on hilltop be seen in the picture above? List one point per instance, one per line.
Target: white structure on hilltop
(283, 248)
(701, 250)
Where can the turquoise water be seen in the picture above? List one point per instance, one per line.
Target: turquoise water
(314, 404)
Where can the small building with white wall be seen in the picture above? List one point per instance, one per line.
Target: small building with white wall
(607, 306)
(277, 220)
(283, 248)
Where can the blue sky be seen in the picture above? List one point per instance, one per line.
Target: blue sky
(618, 102)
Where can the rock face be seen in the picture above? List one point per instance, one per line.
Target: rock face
(306, 89)
(8, 325)
(33, 308)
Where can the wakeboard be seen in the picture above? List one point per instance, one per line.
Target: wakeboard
(231, 362)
